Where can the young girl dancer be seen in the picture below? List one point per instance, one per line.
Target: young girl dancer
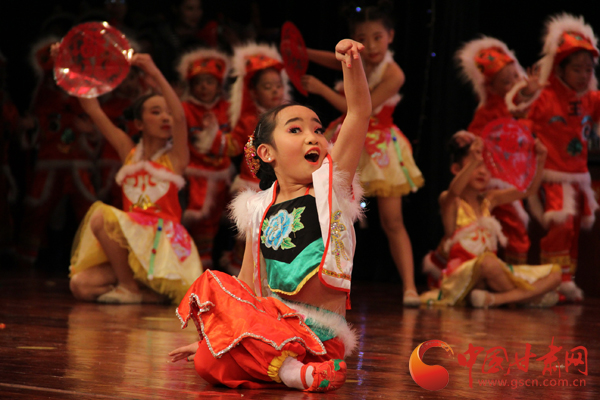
(283, 319)
(493, 69)
(208, 174)
(563, 113)
(472, 234)
(117, 253)
(387, 169)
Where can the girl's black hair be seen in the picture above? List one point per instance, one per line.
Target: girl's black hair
(563, 64)
(137, 108)
(457, 152)
(258, 74)
(263, 134)
(381, 12)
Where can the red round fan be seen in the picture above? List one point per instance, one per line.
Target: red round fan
(509, 152)
(92, 59)
(293, 52)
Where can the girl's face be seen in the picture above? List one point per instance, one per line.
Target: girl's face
(504, 80)
(156, 118)
(578, 72)
(268, 92)
(205, 88)
(480, 177)
(376, 39)
(299, 146)
(190, 12)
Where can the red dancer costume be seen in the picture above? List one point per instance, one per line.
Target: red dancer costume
(209, 171)
(480, 60)
(247, 332)
(64, 158)
(562, 119)
(162, 255)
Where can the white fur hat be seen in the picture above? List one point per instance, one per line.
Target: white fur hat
(473, 71)
(247, 60)
(193, 58)
(579, 36)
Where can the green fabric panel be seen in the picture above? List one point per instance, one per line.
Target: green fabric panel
(287, 277)
(322, 332)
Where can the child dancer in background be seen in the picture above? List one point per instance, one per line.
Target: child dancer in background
(208, 174)
(283, 319)
(261, 84)
(472, 234)
(116, 253)
(493, 69)
(387, 169)
(64, 160)
(562, 113)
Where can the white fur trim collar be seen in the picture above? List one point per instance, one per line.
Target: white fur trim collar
(330, 320)
(348, 196)
(138, 165)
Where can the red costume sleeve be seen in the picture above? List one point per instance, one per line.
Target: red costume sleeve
(232, 144)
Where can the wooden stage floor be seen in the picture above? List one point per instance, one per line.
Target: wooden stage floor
(52, 347)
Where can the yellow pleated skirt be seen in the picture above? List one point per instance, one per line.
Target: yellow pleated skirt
(399, 177)
(456, 286)
(174, 268)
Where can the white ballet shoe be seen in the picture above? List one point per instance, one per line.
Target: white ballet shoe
(549, 299)
(571, 291)
(120, 295)
(478, 298)
(411, 299)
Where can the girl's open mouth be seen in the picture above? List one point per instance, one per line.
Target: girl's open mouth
(312, 156)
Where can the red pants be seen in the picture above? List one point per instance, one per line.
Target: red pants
(515, 231)
(250, 336)
(566, 204)
(247, 364)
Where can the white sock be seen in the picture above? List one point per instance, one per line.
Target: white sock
(290, 371)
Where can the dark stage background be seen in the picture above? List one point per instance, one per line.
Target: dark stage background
(435, 102)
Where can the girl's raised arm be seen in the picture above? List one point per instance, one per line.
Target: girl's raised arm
(461, 179)
(115, 136)
(180, 154)
(351, 139)
(392, 80)
(324, 58)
